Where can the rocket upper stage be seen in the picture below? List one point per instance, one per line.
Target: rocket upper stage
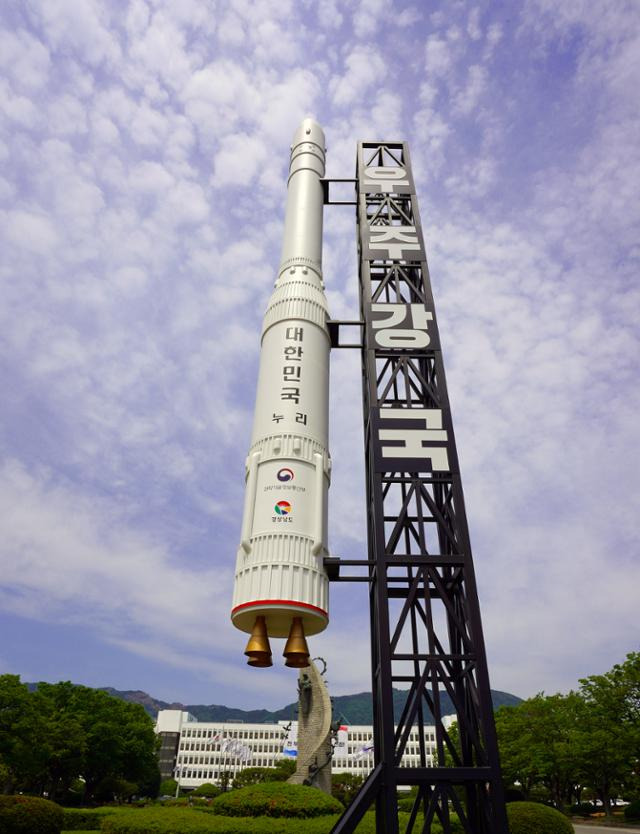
(280, 580)
(305, 200)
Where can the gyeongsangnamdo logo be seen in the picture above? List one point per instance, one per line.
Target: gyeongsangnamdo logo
(285, 474)
(283, 508)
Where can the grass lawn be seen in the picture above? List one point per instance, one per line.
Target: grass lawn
(159, 820)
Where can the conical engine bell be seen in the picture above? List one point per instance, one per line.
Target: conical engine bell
(258, 649)
(296, 650)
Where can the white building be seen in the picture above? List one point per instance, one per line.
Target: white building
(200, 751)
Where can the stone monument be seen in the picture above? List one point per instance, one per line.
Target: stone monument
(313, 766)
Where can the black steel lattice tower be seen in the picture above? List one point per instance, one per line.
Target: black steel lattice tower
(426, 631)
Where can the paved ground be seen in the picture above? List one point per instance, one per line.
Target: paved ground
(597, 829)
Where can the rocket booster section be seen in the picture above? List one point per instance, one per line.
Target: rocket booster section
(281, 587)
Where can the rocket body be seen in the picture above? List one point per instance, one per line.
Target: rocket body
(279, 568)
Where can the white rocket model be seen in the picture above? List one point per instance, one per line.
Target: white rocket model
(281, 587)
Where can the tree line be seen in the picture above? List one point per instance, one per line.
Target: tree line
(576, 747)
(71, 742)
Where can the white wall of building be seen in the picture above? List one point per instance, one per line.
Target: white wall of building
(207, 749)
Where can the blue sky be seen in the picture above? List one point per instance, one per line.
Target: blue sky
(143, 153)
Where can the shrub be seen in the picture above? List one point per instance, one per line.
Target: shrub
(405, 805)
(344, 787)
(406, 800)
(168, 787)
(74, 795)
(84, 819)
(583, 809)
(181, 802)
(276, 799)
(207, 790)
(531, 818)
(29, 815)
(112, 788)
(254, 775)
(284, 769)
(632, 811)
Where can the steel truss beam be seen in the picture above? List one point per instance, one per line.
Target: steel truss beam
(426, 632)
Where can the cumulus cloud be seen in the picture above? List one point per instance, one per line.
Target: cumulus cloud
(142, 194)
(363, 69)
(438, 57)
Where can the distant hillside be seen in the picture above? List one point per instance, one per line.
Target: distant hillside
(352, 709)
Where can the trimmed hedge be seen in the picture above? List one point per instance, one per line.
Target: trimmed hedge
(29, 815)
(207, 790)
(632, 811)
(84, 819)
(275, 799)
(187, 821)
(532, 818)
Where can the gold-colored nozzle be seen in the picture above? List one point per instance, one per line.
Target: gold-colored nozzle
(258, 649)
(296, 650)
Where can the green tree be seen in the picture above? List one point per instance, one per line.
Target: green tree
(21, 730)
(609, 734)
(226, 779)
(537, 742)
(120, 742)
(53, 736)
(61, 747)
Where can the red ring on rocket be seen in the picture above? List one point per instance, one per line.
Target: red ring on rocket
(281, 587)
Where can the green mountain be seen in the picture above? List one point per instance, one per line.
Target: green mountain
(350, 709)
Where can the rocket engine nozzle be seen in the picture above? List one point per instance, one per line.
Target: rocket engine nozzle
(296, 649)
(258, 649)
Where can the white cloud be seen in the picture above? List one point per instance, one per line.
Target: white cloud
(24, 59)
(438, 57)
(150, 177)
(84, 29)
(217, 97)
(17, 108)
(364, 69)
(329, 15)
(467, 99)
(122, 579)
(369, 15)
(474, 29)
(238, 160)
(30, 230)
(161, 49)
(130, 279)
(67, 116)
(143, 168)
(408, 17)
(148, 127)
(231, 30)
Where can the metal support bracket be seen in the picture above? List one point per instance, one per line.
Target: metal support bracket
(325, 190)
(334, 333)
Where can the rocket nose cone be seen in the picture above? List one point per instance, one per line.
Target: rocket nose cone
(309, 131)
